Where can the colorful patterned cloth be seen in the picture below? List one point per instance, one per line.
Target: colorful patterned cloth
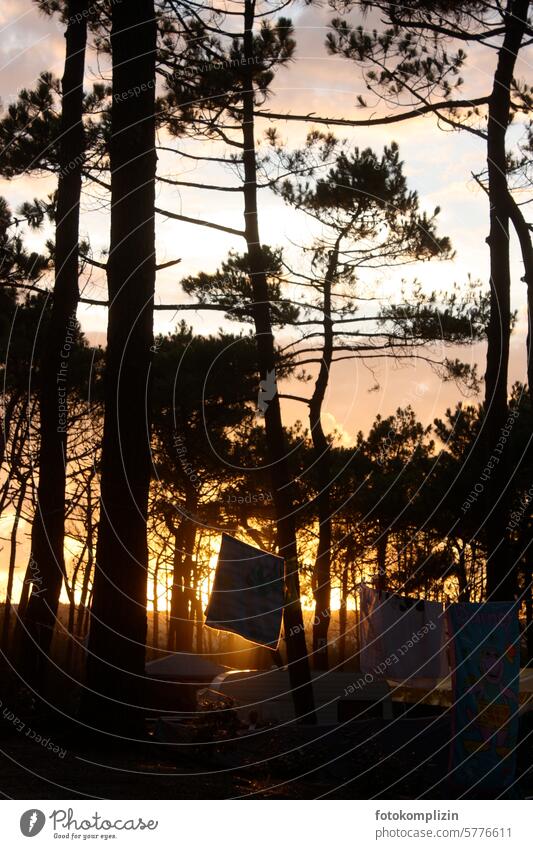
(485, 655)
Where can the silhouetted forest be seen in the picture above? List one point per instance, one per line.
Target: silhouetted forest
(123, 462)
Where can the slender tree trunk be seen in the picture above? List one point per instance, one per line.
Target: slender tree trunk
(90, 562)
(18, 442)
(298, 661)
(48, 532)
(71, 624)
(523, 232)
(208, 631)
(475, 573)
(462, 580)
(5, 427)
(199, 616)
(84, 626)
(178, 605)
(11, 567)
(197, 606)
(72, 596)
(189, 543)
(524, 552)
(181, 632)
(155, 613)
(343, 610)
(381, 549)
(118, 615)
(23, 600)
(529, 617)
(19, 438)
(322, 452)
(501, 572)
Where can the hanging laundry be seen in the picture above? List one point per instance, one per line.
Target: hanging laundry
(485, 682)
(401, 637)
(248, 593)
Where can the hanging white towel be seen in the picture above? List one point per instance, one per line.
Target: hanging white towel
(248, 593)
(401, 637)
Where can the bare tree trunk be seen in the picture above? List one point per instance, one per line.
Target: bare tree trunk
(118, 615)
(529, 617)
(381, 549)
(322, 451)
(199, 616)
(277, 457)
(198, 613)
(24, 596)
(72, 594)
(11, 566)
(475, 573)
(523, 232)
(48, 532)
(343, 610)
(71, 624)
(181, 632)
(5, 427)
(524, 553)
(155, 613)
(86, 614)
(464, 589)
(501, 572)
(178, 605)
(90, 562)
(189, 542)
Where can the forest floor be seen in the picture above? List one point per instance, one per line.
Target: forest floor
(363, 759)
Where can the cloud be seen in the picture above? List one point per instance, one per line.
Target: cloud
(30, 42)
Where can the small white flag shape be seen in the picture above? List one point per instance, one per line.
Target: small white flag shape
(248, 593)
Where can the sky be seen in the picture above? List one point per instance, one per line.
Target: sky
(438, 163)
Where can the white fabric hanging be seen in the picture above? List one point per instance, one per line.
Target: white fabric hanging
(248, 593)
(401, 637)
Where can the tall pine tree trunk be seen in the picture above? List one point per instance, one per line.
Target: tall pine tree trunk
(12, 565)
(381, 550)
(523, 231)
(189, 544)
(529, 616)
(501, 572)
(48, 532)
(155, 613)
(282, 486)
(322, 452)
(462, 580)
(343, 610)
(178, 604)
(118, 614)
(82, 607)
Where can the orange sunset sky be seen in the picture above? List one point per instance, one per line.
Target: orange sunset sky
(439, 165)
